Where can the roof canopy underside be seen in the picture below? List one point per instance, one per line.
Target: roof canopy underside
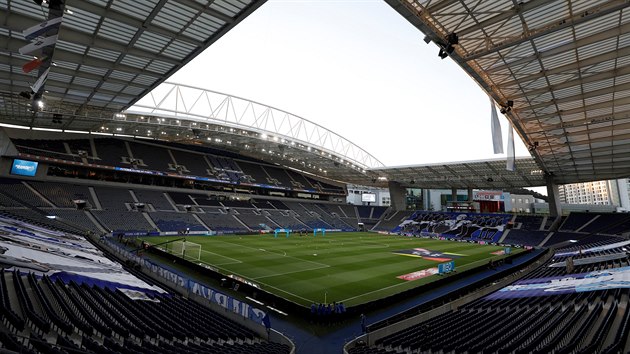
(109, 53)
(486, 174)
(565, 65)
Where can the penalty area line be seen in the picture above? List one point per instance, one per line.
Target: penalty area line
(291, 272)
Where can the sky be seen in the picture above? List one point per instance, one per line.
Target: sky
(359, 69)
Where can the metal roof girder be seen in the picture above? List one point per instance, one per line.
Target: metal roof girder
(555, 25)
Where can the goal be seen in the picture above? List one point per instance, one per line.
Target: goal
(186, 249)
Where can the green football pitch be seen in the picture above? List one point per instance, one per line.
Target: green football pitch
(353, 267)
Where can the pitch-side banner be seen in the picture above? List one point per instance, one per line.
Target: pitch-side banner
(573, 283)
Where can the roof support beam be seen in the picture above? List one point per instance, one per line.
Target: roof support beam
(513, 11)
(594, 38)
(610, 74)
(132, 21)
(617, 102)
(68, 34)
(584, 16)
(13, 45)
(571, 67)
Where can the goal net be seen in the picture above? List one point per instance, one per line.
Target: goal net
(186, 249)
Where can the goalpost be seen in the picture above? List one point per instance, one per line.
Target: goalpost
(186, 249)
(277, 231)
(322, 230)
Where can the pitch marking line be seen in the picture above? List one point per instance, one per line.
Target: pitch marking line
(273, 287)
(291, 272)
(399, 284)
(278, 253)
(220, 255)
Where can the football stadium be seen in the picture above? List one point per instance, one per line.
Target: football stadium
(141, 215)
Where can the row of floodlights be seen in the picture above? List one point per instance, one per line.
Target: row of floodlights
(263, 136)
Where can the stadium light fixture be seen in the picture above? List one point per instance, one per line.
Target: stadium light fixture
(447, 48)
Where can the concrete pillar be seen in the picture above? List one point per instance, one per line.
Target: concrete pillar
(622, 188)
(6, 145)
(454, 195)
(470, 195)
(397, 193)
(554, 196)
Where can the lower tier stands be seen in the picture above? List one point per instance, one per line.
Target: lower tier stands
(394, 219)
(44, 315)
(75, 217)
(114, 220)
(529, 222)
(222, 222)
(63, 195)
(575, 221)
(40, 219)
(155, 198)
(172, 221)
(286, 219)
(255, 220)
(568, 320)
(607, 223)
(525, 237)
(16, 190)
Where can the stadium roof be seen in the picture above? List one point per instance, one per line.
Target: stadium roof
(108, 54)
(486, 174)
(564, 64)
(194, 115)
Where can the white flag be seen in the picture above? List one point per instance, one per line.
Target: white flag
(40, 82)
(497, 139)
(510, 164)
(40, 29)
(40, 43)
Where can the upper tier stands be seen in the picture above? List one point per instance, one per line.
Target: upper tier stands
(279, 176)
(76, 146)
(154, 157)
(111, 151)
(255, 171)
(168, 157)
(195, 164)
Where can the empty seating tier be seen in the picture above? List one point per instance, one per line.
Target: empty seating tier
(43, 315)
